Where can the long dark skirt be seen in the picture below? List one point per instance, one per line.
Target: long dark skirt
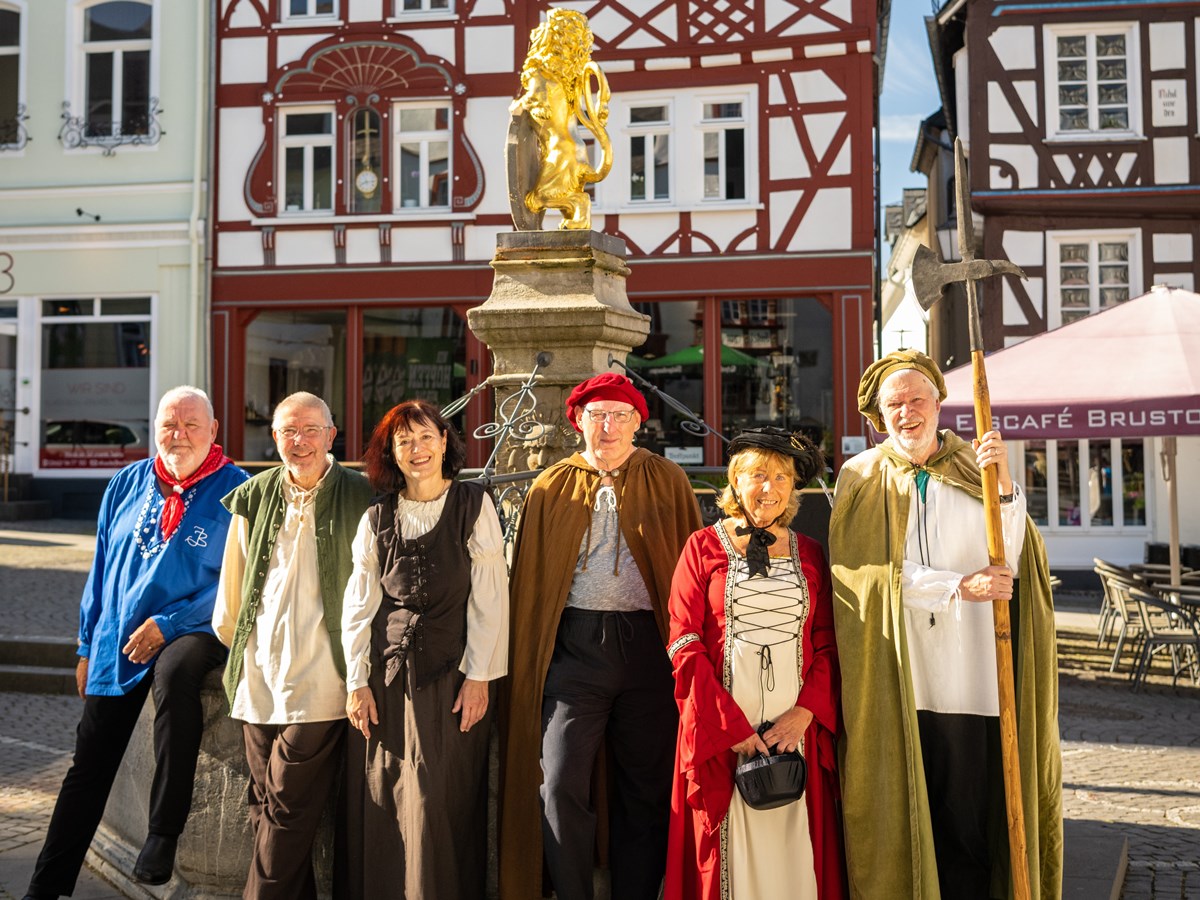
(416, 797)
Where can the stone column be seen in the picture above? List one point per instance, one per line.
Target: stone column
(561, 293)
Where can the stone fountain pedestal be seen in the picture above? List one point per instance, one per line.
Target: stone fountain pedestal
(560, 293)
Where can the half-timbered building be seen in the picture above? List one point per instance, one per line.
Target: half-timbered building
(359, 188)
(1080, 119)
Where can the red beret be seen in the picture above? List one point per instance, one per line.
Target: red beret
(608, 386)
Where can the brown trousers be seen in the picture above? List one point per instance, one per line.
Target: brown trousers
(292, 770)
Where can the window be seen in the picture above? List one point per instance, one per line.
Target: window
(1089, 273)
(1089, 85)
(650, 152)
(422, 155)
(116, 68)
(10, 75)
(306, 9)
(1086, 485)
(307, 164)
(409, 7)
(365, 142)
(724, 141)
(95, 382)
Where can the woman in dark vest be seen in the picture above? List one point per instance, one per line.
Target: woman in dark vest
(425, 631)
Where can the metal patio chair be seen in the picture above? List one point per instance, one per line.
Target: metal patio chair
(1166, 626)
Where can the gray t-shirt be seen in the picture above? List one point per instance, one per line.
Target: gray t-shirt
(597, 588)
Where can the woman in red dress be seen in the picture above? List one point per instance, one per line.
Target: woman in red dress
(752, 642)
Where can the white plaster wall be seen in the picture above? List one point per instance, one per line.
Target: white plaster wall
(421, 245)
(1025, 248)
(1023, 159)
(649, 229)
(1015, 46)
(826, 225)
(241, 136)
(1187, 459)
(783, 204)
(722, 226)
(814, 86)
(291, 47)
(361, 10)
(786, 157)
(244, 60)
(1167, 48)
(821, 128)
(245, 16)
(1013, 314)
(304, 248)
(480, 240)
(962, 85)
(1001, 118)
(362, 245)
(1172, 248)
(434, 41)
(487, 123)
(489, 48)
(239, 248)
(1171, 160)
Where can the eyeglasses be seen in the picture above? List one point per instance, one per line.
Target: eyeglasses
(620, 416)
(308, 432)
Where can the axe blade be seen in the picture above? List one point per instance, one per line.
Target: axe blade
(927, 277)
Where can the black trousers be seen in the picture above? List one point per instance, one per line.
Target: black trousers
(609, 678)
(100, 741)
(292, 771)
(964, 782)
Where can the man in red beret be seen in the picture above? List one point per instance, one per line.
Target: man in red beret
(599, 538)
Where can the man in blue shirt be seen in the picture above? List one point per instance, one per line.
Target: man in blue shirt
(145, 624)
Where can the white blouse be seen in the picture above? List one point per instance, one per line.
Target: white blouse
(486, 655)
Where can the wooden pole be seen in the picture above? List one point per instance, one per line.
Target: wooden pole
(1019, 860)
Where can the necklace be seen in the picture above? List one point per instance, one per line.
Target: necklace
(145, 533)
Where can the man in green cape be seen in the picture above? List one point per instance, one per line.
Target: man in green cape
(920, 763)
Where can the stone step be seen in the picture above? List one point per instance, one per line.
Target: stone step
(37, 679)
(32, 650)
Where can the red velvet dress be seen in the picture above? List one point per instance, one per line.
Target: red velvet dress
(711, 721)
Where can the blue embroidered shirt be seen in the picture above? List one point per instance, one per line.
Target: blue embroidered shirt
(136, 575)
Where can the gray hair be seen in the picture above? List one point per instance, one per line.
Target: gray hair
(184, 392)
(304, 400)
(933, 389)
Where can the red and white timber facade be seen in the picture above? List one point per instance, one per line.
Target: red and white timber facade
(359, 188)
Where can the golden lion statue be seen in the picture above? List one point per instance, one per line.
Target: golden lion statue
(557, 83)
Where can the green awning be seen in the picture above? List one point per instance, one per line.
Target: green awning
(693, 356)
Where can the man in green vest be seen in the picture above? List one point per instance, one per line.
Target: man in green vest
(279, 610)
(923, 799)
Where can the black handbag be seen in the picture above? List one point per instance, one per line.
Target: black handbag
(768, 782)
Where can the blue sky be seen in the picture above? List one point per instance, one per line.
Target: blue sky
(909, 95)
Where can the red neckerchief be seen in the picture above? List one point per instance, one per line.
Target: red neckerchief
(172, 512)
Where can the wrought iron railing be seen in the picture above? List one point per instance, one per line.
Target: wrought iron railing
(13, 133)
(77, 131)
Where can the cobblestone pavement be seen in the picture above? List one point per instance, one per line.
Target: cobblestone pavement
(1131, 761)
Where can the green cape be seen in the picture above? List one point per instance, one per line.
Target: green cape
(889, 841)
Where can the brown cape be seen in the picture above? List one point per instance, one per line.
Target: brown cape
(658, 512)
(889, 841)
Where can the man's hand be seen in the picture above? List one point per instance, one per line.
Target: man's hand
(144, 643)
(788, 730)
(81, 677)
(472, 701)
(361, 711)
(990, 583)
(990, 451)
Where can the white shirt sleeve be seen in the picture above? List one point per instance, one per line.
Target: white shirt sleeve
(931, 590)
(364, 593)
(486, 655)
(1012, 522)
(229, 588)
(927, 589)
